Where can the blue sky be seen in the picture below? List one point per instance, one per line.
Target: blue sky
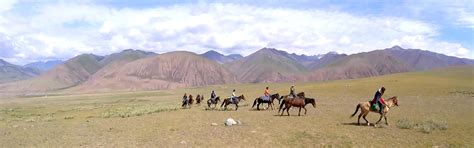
(33, 30)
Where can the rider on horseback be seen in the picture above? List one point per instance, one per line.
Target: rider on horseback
(266, 94)
(378, 99)
(292, 91)
(185, 97)
(213, 95)
(232, 98)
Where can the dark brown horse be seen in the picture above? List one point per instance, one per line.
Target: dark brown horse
(213, 101)
(296, 102)
(191, 100)
(301, 95)
(199, 98)
(227, 101)
(365, 109)
(260, 100)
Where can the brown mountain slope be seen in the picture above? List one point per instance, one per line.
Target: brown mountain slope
(425, 60)
(361, 65)
(267, 65)
(169, 70)
(117, 60)
(68, 74)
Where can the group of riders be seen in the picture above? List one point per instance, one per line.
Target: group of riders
(377, 100)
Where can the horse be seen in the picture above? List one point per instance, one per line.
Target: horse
(199, 98)
(215, 101)
(185, 103)
(236, 102)
(296, 102)
(260, 100)
(365, 109)
(301, 95)
(191, 100)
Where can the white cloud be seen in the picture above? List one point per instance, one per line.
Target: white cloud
(67, 29)
(6, 5)
(465, 17)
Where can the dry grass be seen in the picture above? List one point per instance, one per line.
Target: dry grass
(428, 102)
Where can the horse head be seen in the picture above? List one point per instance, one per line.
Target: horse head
(395, 100)
(218, 99)
(242, 97)
(275, 96)
(310, 100)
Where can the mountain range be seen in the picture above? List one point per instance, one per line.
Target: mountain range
(43, 66)
(10, 72)
(140, 70)
(220, 58)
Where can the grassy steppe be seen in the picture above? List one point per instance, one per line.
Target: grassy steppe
(153, 118)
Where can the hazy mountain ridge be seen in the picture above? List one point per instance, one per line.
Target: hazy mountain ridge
(10, 72)
(220, 58)
(43, 65)
(140, 70)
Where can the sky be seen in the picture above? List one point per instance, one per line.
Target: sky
(32, 30)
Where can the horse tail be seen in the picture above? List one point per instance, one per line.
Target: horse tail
(357, 109)
(281, 105)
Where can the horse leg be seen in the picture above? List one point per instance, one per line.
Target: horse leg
(281, 112)
(358, 119)
(288, 110)
(299, 112)
(366, 120)
(258, 105)
(380, 119)
(236, 106)
(386, 122)
(305, 110)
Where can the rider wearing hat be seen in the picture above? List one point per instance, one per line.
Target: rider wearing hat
(292, 91)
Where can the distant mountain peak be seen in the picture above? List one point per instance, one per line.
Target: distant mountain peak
(213, 53)
(43, 65)
(396, 47)
(137, 50)
(3, 62)
(220, 58)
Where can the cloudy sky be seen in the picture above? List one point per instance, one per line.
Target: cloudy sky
(32, 30)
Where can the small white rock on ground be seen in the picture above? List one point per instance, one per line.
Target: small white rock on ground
(230, 122)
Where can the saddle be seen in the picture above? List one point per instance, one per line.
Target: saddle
(374, 107)
(264, 98)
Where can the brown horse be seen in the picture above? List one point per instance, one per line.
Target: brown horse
(211, 101)
(296, 102)
(236, 102)
(365, 109)
(191, 100)
(199, 98)
(301, 95)
(260, 100)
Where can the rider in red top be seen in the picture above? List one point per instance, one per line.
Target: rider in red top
(267, 93)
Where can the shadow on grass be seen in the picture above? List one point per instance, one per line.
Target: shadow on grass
(218, 109)
(255, 109)
(355, 124)
(286, 115)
